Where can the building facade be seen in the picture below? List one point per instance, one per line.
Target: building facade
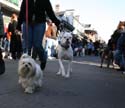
(8, 7)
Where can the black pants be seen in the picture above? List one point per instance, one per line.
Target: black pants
(2, 63)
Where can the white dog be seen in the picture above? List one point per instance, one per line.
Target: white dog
(30, 74)
(65, 52)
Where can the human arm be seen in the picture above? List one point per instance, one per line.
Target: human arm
(51, 14)
(21, 15)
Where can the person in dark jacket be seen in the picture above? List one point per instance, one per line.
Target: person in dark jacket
(15, 41)
(37, 12)
(120, 49)
(1, 24)
(2, 63)
(116, 34)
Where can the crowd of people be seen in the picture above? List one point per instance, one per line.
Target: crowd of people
(84, 46)
(14, 45)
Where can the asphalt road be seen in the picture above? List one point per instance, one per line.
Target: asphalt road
(88, 87)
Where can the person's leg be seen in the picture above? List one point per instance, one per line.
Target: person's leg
(34, 54)
(46, 45)
(53, 48)
(6, 48)
(123, 62)
(27, 39)
(38, 34)
(49, 47)
(13, 47)
(24, 47)
(19, 46)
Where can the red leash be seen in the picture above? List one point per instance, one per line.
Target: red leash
(27, 24)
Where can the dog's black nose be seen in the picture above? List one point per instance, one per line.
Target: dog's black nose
(67, 41)
(26, 65)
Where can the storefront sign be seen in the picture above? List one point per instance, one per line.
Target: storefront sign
(15, 2)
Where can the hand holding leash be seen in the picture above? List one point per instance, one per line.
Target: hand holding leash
(17, 32)
(61, 26)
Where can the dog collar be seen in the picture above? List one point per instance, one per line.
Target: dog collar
(64, 46)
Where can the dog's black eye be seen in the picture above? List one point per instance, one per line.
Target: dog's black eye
(29, 64)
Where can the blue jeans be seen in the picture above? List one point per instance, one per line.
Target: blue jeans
(7, 45)
(34, 39)
(119, 58)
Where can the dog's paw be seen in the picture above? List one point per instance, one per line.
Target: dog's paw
(63, 75)
(100, 66)
(58, 73)
(67, 76)
(19, 81)
(39, 84)
(29, 90)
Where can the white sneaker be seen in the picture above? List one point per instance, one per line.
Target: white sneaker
(9, 57)
(124, 72)
(50, 58)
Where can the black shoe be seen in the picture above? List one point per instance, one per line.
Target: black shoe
(121, 69)
(14, 56)
(18, 55)
(43, 62)
(43, 65)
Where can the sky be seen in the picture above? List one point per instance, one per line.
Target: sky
(103, 15)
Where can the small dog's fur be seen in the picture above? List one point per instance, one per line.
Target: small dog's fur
(107, 55)
(30, 74)
(65, 52)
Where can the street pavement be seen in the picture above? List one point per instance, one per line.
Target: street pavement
(88, 87)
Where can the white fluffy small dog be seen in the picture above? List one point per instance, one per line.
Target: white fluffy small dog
(65, 52)
(30, 74)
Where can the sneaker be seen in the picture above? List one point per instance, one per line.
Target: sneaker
(50, 58)
(124, 72)
(9, 57)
